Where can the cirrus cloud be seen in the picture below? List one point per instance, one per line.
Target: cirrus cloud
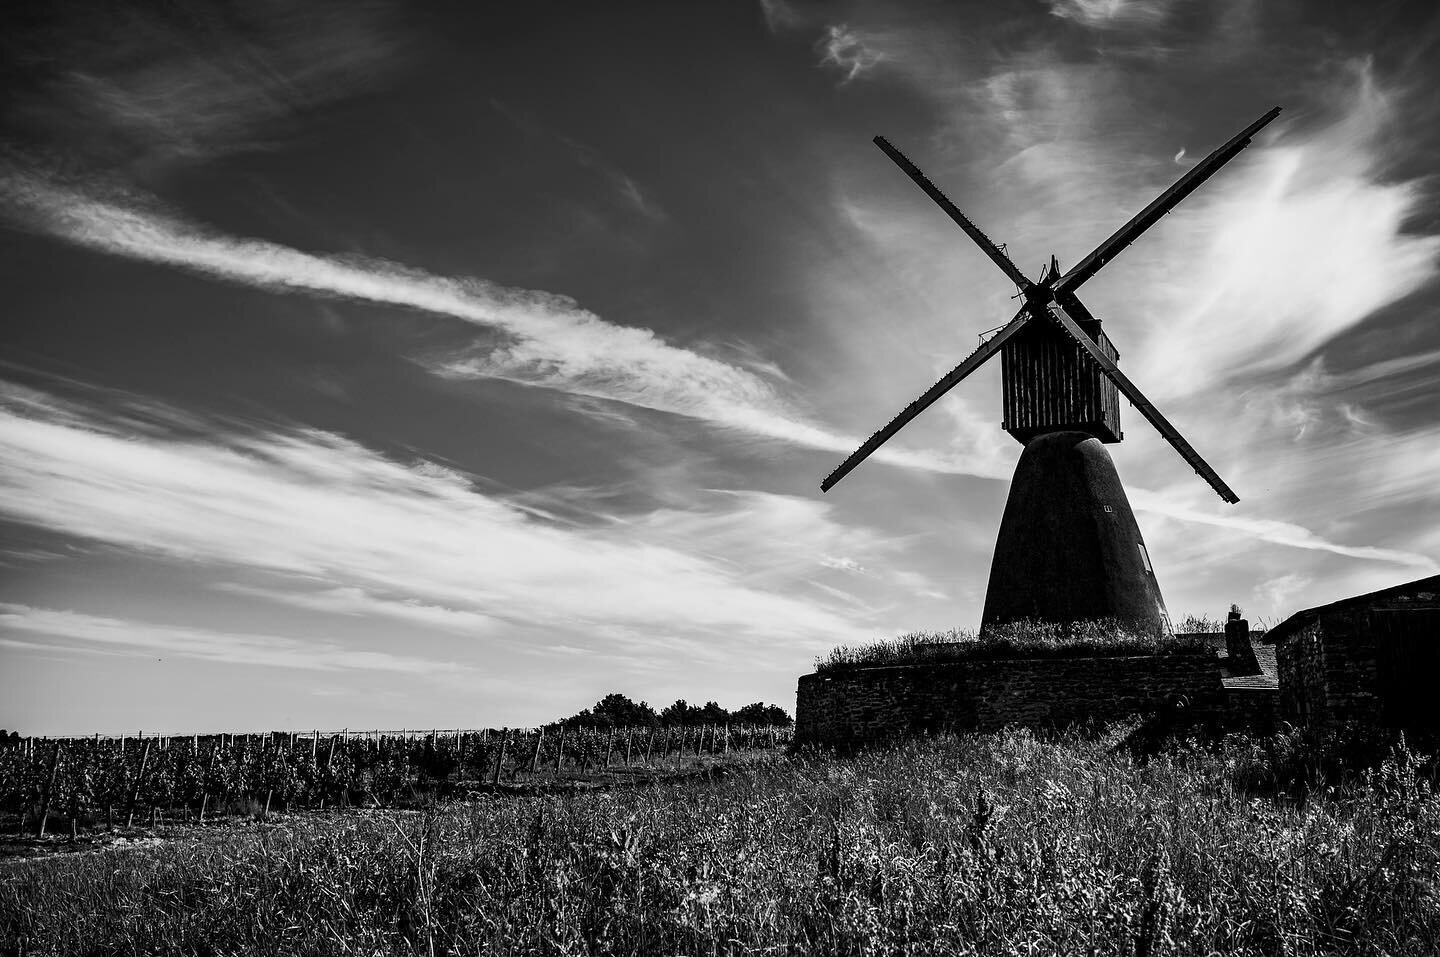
(415, 542)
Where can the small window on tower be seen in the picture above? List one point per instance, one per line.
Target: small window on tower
(1144, 558)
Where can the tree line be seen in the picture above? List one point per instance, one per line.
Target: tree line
(619, 711)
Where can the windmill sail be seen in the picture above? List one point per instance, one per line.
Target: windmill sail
(1043, 375)
(952, 378)
(996, 254)
(1163, 203)
(1137, 398)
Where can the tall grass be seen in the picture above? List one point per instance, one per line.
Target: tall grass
(999, 844)
(1023, 639)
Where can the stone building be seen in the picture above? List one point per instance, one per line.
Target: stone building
(860, 704)
(1222, 680)
(1372, 659)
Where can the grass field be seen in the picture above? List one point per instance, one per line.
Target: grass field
(1000, 844)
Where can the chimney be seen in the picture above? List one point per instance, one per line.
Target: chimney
(1237, 645)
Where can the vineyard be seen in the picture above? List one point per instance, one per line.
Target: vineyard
(97, 781)
(1008, 843)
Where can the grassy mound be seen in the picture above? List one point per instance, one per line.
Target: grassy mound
(1026, 639)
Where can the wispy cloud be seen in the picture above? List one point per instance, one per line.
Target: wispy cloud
(620, 182)
(107, 635)
(780, 15)
(1275, 532)
(847, 50)
(148, 84)
(1280, 591)
(1303, 242)
(1386, 371)
(1112, 14)
(551, 341)
(1245, 277)
(844, 564)
(356, 525)
(355, 602)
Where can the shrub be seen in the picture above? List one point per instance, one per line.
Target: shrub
(1295, 763)
(1200, 624)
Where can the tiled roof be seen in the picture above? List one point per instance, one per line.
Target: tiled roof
(1264, 657)
(1252, 683)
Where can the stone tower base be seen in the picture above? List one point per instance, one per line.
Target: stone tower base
(1069, 548)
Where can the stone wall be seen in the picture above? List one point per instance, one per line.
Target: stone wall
(1251, 709)
(1054, 691)
(1328, 670)
(1329, 658)
(863, 704)
(1347, 656)
(1300, 667)
(1348, 645)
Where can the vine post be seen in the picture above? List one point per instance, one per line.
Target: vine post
(49, 789)
(135, 788)
(500, 758)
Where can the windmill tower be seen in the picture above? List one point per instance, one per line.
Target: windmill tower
(1069, 547)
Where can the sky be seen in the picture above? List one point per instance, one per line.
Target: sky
(412, 365)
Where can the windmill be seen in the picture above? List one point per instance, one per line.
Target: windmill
(1069, 547)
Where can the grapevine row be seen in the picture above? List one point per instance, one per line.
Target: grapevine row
(120, 780)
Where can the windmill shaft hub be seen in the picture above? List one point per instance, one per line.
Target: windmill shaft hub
(1039, 295)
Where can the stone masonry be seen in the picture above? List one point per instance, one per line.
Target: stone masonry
(1327, 670)
(1349, 661)
(850, 706)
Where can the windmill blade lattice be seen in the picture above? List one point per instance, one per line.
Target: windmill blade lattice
(951, 379)
(1163, 203)
(1144, 405)
(996, 254)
